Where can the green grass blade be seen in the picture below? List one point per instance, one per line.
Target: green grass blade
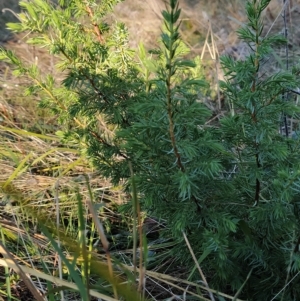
(26, 133)
(20, 169)
(79, 283)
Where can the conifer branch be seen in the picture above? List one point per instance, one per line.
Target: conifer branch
(95, 25)
(257, 29)
(257, 187)
(171, 126)
(102, 141)
(284, 95)
(172, 48)
(85, 74)
(171, 44)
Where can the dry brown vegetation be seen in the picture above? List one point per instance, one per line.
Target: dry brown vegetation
(42, 168)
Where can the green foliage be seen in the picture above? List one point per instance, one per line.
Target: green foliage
(233, 188)
(265, 161)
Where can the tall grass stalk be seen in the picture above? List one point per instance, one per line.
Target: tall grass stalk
(198, 266)
(104, 241)
(56, 199)
(6, 270)
(138, 228)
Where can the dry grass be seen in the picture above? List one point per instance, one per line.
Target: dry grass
(144, 21)
(50, 169)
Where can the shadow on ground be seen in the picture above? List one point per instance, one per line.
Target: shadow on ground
(8, 9)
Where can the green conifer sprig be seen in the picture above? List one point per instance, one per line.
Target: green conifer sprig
(265, 160)
(168, 131)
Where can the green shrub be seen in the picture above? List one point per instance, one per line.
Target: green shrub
(233, 188)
